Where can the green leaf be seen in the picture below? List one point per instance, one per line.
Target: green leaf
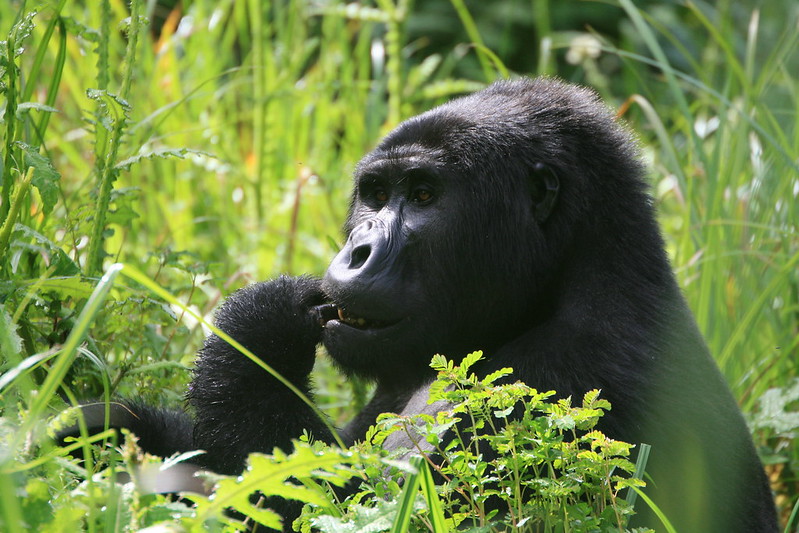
(65, 287)
(447, 88)
(124, 201)
(354, 11)
(439, 363)
(493, 376)
(112, 107)
(365, 519)
(26, 106)
(470, 360)
(775, 411)
(21, 31)
(79, 29)
(434, 507)
(407, 499)
(269, 476)
(59, 261)
(591, 400)
(163, 153)
(45, 177)
(503, 413)
(10, 342)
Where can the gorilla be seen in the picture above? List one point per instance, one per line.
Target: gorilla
(516, 221)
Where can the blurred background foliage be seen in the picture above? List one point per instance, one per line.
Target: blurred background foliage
(210, 144)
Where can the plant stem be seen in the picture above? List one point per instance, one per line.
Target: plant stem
(397, 14)
(11, 122)
(108, 172)
(257, 16)
(16, 204)
(474, 34)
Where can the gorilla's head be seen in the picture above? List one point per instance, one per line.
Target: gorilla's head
(461, 222)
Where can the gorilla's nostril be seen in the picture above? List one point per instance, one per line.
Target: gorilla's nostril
(359, 256)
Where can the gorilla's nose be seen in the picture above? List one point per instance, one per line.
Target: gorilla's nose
(365, 250)
(363, 277)
(359, 256)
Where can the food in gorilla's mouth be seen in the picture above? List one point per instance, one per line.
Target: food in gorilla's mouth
(327, 312)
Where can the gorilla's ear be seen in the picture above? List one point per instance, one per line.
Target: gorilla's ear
(544, 187)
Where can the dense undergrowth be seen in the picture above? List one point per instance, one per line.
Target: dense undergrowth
(206, 145)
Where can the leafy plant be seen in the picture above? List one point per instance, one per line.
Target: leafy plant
(506, 459)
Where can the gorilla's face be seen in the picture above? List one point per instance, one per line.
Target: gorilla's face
(439, 252)
(383, 282)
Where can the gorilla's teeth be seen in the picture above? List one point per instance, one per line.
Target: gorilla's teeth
(351, 320)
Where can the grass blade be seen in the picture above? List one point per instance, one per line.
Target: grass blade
(408, 497)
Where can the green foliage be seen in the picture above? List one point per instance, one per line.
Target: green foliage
(545, 469)
(552, 470)
(44, 177)
(311, 468)
(776, 421)
(96, 496)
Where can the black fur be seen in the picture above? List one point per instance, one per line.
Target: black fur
(516, 221)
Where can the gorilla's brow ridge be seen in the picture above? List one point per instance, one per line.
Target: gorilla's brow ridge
(408, 155)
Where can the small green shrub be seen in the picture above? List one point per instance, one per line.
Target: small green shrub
(538, 465)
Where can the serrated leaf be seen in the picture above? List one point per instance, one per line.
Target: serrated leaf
(124, 201)
(21, 31)
(10, 342)
(64, 287)
(268, 475)
(45, 178)
(163, 153)
(79, 29)
(122, 215)
(59, 261)
(25, 106)
(112, 107)
(365, 519)
(775, 412)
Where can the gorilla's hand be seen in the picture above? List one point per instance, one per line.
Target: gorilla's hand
(273, 320)
(239, 407)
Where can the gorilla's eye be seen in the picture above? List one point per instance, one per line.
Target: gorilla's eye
(380, 195)
(422, 195)
(373, 193)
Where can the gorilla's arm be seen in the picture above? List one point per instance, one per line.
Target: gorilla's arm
(161, 432)
(239, 407)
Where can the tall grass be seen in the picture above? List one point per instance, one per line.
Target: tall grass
(733, 162)
(215, 147)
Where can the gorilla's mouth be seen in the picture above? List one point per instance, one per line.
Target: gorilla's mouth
(329, 312)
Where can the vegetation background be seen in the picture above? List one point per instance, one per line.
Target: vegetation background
(209, 144)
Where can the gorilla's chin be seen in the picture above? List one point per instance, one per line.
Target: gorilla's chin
(362, 338)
